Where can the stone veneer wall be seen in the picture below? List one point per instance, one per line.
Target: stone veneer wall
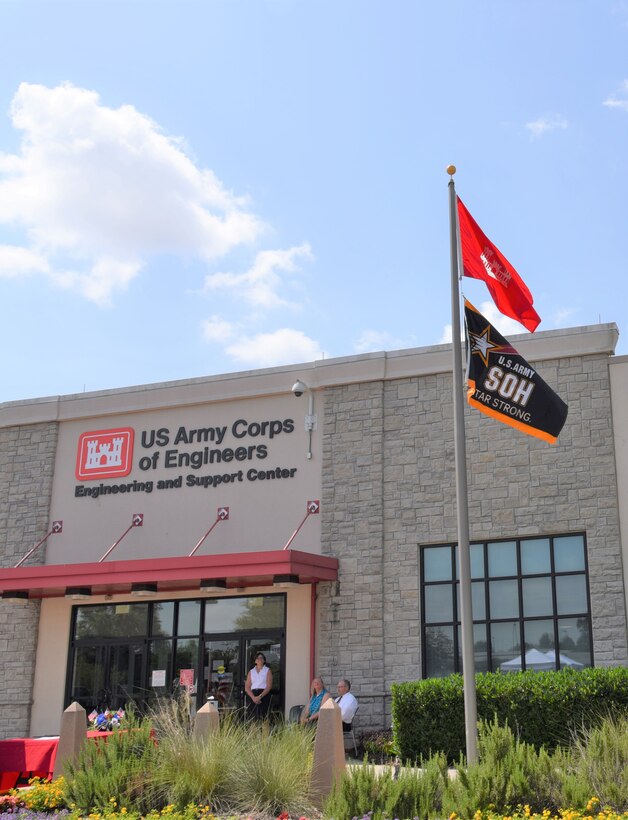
(389, 486)
(26, 469)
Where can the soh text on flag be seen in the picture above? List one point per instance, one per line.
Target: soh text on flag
(501, 383)
(481, 259)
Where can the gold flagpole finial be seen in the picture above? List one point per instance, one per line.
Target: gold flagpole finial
(451, 170)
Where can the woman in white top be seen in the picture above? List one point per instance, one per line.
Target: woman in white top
(259, 683)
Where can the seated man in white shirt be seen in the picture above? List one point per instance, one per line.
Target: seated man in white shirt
(347, 702)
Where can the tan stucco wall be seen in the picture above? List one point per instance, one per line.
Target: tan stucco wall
(52, 654)
(50, 666)
(263, 513)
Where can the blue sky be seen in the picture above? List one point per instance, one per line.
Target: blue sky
(195, 187)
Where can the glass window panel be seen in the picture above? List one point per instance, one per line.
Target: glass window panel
(535, 556)
(502, 558)
(574, 642)
(477, 560)
(88, 675)
(189, 618)
(112, 621)
(437, 563)
(222, 673)
(478, 601)
(504, 599)
(438, 603)
(160, 674)
(569, 553)
(506, 647)
(537, 596)
(238, 614)
(571, 594)
(539, 645)
(479, 648)
(439, 651)
(186, 664)
(539, 635)
(125, 673)
(163, 618)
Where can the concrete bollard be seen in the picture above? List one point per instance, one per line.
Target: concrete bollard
(329, 752)
(71, 737)
(207, 721)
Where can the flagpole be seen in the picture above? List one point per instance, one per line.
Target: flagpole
(464, 562)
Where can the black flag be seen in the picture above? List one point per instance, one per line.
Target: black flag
(503, 385)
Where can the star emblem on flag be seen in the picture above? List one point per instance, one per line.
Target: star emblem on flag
(482, 345)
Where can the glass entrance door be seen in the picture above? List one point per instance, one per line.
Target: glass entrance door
(226, 663)
(271, 648)
(125, 668)
(222, 673)
(108, 675)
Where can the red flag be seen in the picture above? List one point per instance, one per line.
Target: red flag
(483, 260)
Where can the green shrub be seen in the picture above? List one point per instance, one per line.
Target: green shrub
(190, 770)
(509, 773)
(428, 716)
(600, 764)
(241, 767)
(543, 708)
(114, 770)
(362, 791)
(272, 772)
(379, 747)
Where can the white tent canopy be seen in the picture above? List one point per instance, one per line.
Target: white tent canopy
(534, 660)
(565, 660)
(539, 661)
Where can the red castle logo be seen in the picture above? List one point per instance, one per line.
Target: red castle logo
(104, 454)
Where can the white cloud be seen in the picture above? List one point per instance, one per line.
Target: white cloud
(103, 277)
(99, 190)
(504, 324)
(282, 346)
(619, 100)
(446, 336)
(371, 340)
(262, 285)
(563, 315)
(216, 329)
(543, 125)
(17, 261)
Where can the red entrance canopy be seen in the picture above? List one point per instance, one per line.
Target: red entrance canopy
(242, 569)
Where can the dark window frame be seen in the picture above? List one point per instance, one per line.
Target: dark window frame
(148, 638)
(453, 582)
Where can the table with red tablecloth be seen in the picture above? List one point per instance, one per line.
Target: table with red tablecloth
(23, 757)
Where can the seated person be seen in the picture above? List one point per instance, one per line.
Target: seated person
(347, 702)
(318, 696)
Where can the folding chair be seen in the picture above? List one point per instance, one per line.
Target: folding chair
(350, 735)
(294, 715)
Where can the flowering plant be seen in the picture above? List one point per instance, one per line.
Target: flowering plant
(105, 721)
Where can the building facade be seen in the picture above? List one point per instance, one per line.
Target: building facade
(191, 524)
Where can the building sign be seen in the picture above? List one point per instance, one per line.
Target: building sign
(191, 457)
(104, 454)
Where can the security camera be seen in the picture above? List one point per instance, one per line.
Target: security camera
(299, 388)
